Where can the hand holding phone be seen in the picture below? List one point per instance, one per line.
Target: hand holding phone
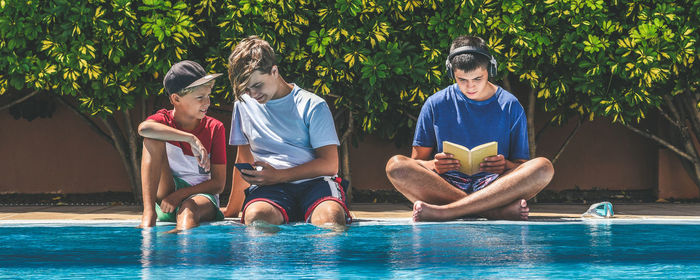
(248, 166)
(242, 166)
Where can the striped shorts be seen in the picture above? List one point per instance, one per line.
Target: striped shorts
(296, 201)
(469, 184)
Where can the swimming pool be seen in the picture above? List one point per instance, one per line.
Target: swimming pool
(607, 249)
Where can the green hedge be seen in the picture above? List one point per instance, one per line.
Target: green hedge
(376, 59)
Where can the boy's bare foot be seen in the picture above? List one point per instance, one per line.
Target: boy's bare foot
(174, 231)
(515, 211)
(147, 220)
(426, 212)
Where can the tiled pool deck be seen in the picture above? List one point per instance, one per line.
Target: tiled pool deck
(359, 211)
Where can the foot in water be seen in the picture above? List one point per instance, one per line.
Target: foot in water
(515, 211)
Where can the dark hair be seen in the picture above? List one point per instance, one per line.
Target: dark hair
(250, 55)
(469, 61)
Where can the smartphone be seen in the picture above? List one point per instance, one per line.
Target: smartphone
(242, 166)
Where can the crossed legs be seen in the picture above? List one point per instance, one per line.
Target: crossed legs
(435, 199)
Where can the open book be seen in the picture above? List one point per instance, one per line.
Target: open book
(470, 159)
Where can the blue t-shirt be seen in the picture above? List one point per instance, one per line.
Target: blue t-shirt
(448, 115)
(283, 132)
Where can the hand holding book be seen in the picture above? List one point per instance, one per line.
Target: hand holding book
(443, 163)
(494, 164)
(471, 160)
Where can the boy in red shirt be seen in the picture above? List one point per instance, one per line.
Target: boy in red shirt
(183, 163)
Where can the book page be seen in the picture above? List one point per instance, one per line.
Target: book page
(479, 153)
(470, 160)
(460, 153)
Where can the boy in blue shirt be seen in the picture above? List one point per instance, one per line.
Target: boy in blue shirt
(288, 134)
(471, 112)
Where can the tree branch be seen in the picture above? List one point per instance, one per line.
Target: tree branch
(142, 112)
(539, 133)
(345, 153)
(689, 112)
(506, 83)
(122, 146)
(339, 113)
(88, 120)
(20, 100)
(568, 139)
(671, 106)
(412, 117)
(662, 142)
(349, 129)
(531, 122)
(671, 120)
(132, 139)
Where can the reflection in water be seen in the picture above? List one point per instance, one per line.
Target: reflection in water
(326, 247)
(426, 250)
(146, 252)
(600, 235)
(263, 228)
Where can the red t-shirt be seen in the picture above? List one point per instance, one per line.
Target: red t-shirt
(210, 132)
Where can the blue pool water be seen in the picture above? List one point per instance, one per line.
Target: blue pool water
(600, 249)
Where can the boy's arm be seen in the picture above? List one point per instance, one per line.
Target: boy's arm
(155, 130)
(324, 164)
(441, 163)
(238, 185)
(214, 185)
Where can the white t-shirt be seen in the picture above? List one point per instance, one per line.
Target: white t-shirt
(283, 132)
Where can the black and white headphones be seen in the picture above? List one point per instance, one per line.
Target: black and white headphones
(493, 65)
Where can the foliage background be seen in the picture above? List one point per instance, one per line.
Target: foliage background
(375, 61)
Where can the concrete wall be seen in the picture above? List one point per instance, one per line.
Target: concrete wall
(62, 154)
(58, 154)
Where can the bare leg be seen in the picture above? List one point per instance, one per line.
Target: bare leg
(416, 182)
(154, 167)
(263, 212)
(192, 211)
(330, 213)
(524, 182)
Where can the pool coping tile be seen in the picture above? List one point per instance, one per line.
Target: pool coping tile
(358, 211)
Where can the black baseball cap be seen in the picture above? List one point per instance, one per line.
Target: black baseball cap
(186, 74)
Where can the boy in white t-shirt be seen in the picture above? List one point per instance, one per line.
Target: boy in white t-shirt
(289, 135)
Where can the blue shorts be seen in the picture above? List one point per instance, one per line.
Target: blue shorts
(469, 184)
(296, 201)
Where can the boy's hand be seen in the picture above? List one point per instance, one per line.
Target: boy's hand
(200, 153)
(494, 164)
(444, 162)
(170, 203)
(267, 176)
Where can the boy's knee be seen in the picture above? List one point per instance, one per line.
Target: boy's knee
(261, 211)
(396, 165)
(187, 205)
(328, 212)
(545, 169)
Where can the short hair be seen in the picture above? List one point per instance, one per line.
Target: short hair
(250, 55)
(469, 61)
